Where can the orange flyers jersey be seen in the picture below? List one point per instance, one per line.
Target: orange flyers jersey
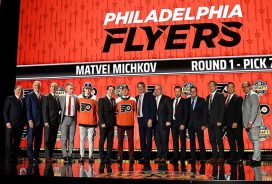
(87, 111)
(125, 111)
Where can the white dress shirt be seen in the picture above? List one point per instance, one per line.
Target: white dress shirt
(141, 97)
(72, 111)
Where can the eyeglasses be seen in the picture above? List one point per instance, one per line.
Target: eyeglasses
(245, 86)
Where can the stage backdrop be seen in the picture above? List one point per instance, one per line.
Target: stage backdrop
(158, 42)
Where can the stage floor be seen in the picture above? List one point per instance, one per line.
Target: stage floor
(186, 171)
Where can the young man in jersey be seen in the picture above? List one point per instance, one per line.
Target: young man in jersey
(126, 107)
(87, 120)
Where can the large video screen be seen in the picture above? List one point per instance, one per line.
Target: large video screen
(186, 43)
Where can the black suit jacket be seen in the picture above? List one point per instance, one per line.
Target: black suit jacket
(106, 112)
(148, 107)
(14, 112)
(196, 117)
(180, 113)
(233, 111)
(217, 109)
(51, 109)
(164, 111)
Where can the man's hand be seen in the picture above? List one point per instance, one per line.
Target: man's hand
(149, 123)
(203, 127)
(30, 123)
(168, 123)
(8, 125)
(249, 125)
(234, 125)
(181, 127)
(46, 124)
(218, 124)
(103, 125)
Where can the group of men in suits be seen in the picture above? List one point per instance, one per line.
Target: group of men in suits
(156, 113)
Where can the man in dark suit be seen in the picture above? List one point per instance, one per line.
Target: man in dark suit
(15, 119)
(196, 119)
(107, 120)
(163, 123)
(216, 110)
(234, 124)
(35, 122)
(146, 111)
(178, 127)
(51, 118)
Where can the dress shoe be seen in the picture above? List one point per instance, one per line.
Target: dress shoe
(191, 161)
(211, 160)
(220, 160)
(81, 160)
(141, 161)
(91, 160)
(174, 161)
(157, 160)
(65, 160)
(131, 160)
(239, 161)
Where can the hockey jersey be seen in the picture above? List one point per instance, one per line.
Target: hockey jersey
(125, 108)
(87, 111)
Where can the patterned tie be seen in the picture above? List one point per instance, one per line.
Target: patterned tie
(227, 101)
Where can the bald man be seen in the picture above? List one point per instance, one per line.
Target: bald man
(35, 122)
(163, 123)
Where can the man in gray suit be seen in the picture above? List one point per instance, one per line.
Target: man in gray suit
(69, 105)
(252, 120)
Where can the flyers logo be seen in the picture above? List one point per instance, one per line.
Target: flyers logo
(126, 108)
(26, 91)
(85, 107)
(150, 88)
(265, 109)
(222, 87)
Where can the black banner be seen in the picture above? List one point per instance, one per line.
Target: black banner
(148, 67)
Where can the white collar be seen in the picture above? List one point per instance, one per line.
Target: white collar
(213, 93)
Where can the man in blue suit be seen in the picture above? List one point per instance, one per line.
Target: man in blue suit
(146, 110)
(35, 122)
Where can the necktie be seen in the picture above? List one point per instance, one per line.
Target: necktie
(227, 101)
(157, 101)
(21, 102)
(69, 105)
(139, 105)
(112, 103)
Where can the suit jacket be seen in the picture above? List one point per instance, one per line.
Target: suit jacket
(51, 109)
(106, 112)
(15, 112)
(217, 109)
(148, 107)
(233, 112)
(251, 110)
(180, 112)
(198, 116)
(62, 101)
(34, 108)
(164, 111)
